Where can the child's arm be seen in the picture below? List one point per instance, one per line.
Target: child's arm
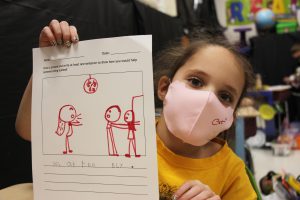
(23, 120)
(121, 126)
(56, 33)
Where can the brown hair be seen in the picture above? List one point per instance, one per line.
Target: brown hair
(168, 61)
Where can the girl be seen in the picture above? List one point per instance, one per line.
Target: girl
(200, 86)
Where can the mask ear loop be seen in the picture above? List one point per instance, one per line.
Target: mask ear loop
(170, 81)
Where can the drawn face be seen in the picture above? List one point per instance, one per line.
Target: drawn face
(67, 113)
(90, 85)
(128, 116)
(214, 68)
(113, 113)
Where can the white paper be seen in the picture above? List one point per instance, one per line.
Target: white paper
(81, 97)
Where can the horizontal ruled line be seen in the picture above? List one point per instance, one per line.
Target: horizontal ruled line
(85, 183)
(125, 52)
(65, 58)
(91, 191)
(109, 73)
(94, 167)
(96, 175)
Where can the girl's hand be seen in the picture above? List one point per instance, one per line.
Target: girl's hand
(195, 190)
(58, 33)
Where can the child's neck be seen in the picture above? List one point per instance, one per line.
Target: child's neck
(184, 149)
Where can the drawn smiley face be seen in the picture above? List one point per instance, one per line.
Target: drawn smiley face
(67, 113)
(129, 116)
(113, 113)
(90, 85)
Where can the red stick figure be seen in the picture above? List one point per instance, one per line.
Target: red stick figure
(112, 115)
(129, 118)
(67, 118)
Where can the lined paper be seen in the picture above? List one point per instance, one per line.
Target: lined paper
(93, 128)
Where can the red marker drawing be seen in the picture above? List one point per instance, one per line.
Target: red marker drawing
(129, 118)
(112, 115)
(90, 85)
(67, 118)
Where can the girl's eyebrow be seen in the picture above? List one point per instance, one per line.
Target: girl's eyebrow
(199, 72)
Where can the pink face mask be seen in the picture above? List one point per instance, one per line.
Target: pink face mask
(195, 116)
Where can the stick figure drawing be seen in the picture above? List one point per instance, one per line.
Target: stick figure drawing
(67, 118)
(129, 118)
(112, 116)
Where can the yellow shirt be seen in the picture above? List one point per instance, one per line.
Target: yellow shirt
(223, 172)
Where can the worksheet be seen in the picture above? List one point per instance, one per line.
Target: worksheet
(93, 121)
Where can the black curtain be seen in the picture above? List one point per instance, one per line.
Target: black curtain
(271, 56)
(203, 14)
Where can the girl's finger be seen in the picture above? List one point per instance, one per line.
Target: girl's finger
(193, 192)
(74, 34)
(204, 195)
(187, 186)
(66, 35)
(183, 188)
(46, 37)
(56, 30)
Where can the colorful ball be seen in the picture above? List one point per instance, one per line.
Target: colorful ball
(265, 18)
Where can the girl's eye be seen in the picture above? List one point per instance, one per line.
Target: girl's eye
(196, 82)
(226, 97)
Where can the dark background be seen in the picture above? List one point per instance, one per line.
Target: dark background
(22, 21)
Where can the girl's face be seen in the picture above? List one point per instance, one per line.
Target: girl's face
(214, 68)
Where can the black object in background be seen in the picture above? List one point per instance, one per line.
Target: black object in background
(271, 56)
(204, 14)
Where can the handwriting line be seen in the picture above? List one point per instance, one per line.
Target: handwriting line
(86, 183)
(66, 58)
(97, 175)
(125, 52)
(92, 167)
(91, 191)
